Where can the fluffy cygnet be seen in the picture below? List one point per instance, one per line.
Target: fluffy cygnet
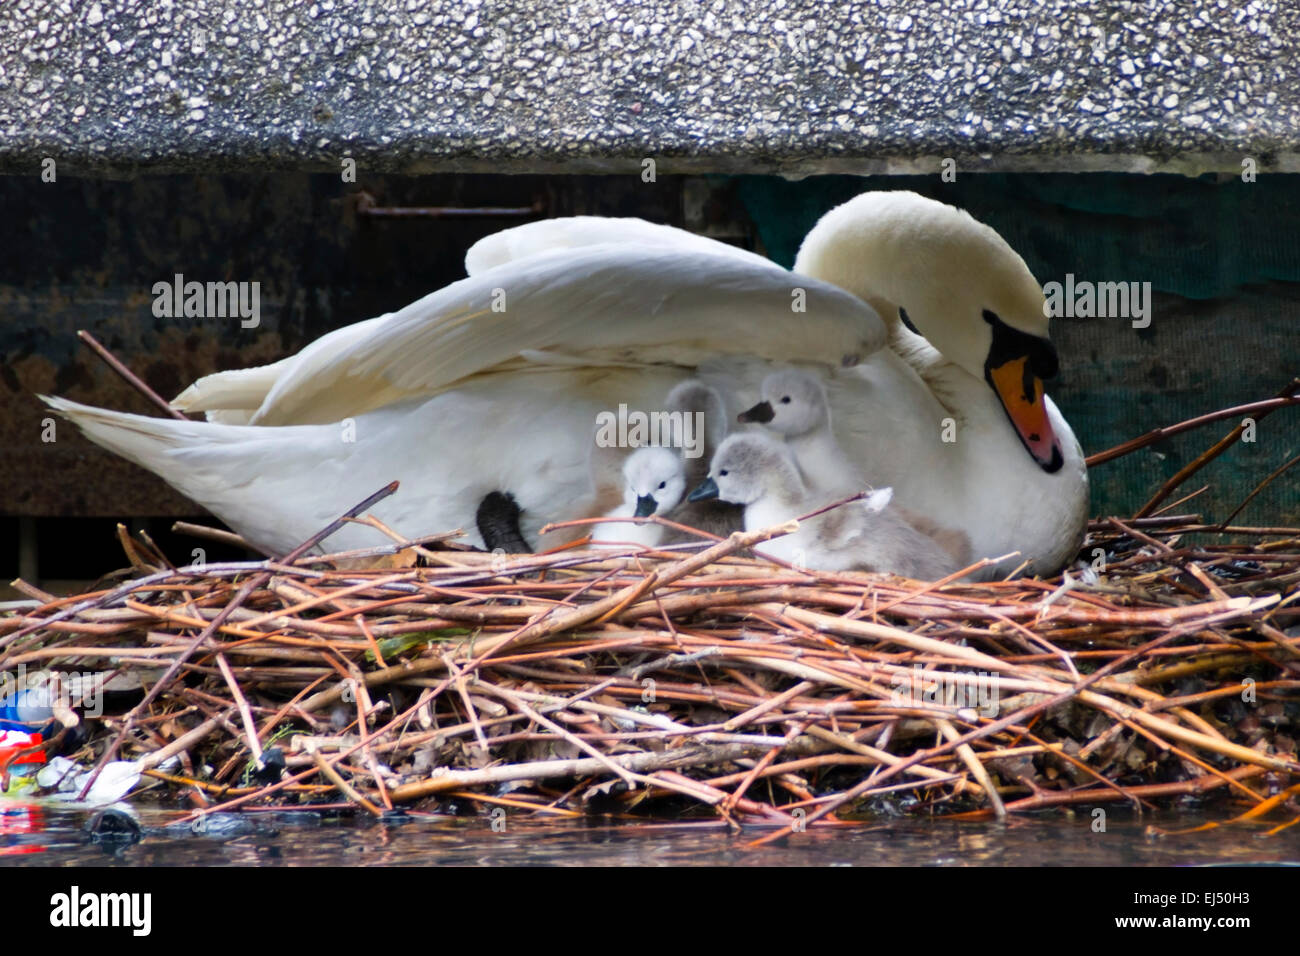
(653, 483)
(759, 472)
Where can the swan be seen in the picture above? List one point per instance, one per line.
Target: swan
(755, 470)
(935, 325)
(792, 403)
(696, 399)
(654, 483)
(655, 479)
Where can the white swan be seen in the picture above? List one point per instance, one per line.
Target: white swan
(704, 405)
(456, 399)
(758, 471)
(792, 403)
(655, 479)
(654, 482)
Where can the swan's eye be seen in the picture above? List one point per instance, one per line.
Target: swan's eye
(723, 473)
(663, 485)
(785, 400)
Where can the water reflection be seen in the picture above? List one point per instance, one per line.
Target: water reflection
(38, 835)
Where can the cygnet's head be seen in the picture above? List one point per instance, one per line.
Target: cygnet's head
(654, 480)
(701, 417)
(793, 402)
(692, 395)
(747, 467)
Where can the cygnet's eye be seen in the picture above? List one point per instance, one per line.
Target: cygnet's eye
(723, 473)
(785, 400)
(663, 485)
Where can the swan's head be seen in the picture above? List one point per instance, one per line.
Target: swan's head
(792, 402)
(691, 397)
(746, 468)
(957, 283)
(654, 481)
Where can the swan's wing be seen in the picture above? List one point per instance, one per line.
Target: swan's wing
(611, 305)
(852, 527)
(572, 232)
(233, 391)
(233, 397)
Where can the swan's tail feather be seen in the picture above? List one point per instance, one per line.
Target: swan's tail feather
(238, 472)
(158, 444)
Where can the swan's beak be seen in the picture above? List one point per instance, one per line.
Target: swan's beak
(1021, 393)
(645, 506)
(761, 413)
(707, 489)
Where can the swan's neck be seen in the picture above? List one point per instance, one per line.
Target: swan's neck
(860, 258)
(822, 460)
(830, 263)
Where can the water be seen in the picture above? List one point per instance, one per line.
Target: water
(57, 837)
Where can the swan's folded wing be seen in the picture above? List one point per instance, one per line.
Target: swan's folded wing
(235, 388)
(613, 305)
(233, 397)
(573, 232)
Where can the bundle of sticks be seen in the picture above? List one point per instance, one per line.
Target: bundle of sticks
(1165, 663)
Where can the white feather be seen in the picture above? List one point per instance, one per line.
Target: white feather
(650, 305)
(572, 232)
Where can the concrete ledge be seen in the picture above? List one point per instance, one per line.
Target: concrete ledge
(113, 87)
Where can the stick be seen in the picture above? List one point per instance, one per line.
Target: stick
(135, 381)
(248, 588)
(1288, 396)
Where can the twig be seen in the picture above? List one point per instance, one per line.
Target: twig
(134, 380)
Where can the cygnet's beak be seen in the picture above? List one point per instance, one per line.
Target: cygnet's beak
(708, 488)
(645, 506)
(761, 413)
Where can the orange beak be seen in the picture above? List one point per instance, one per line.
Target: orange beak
(1021, 393)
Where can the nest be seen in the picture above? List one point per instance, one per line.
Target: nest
(702, 679)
